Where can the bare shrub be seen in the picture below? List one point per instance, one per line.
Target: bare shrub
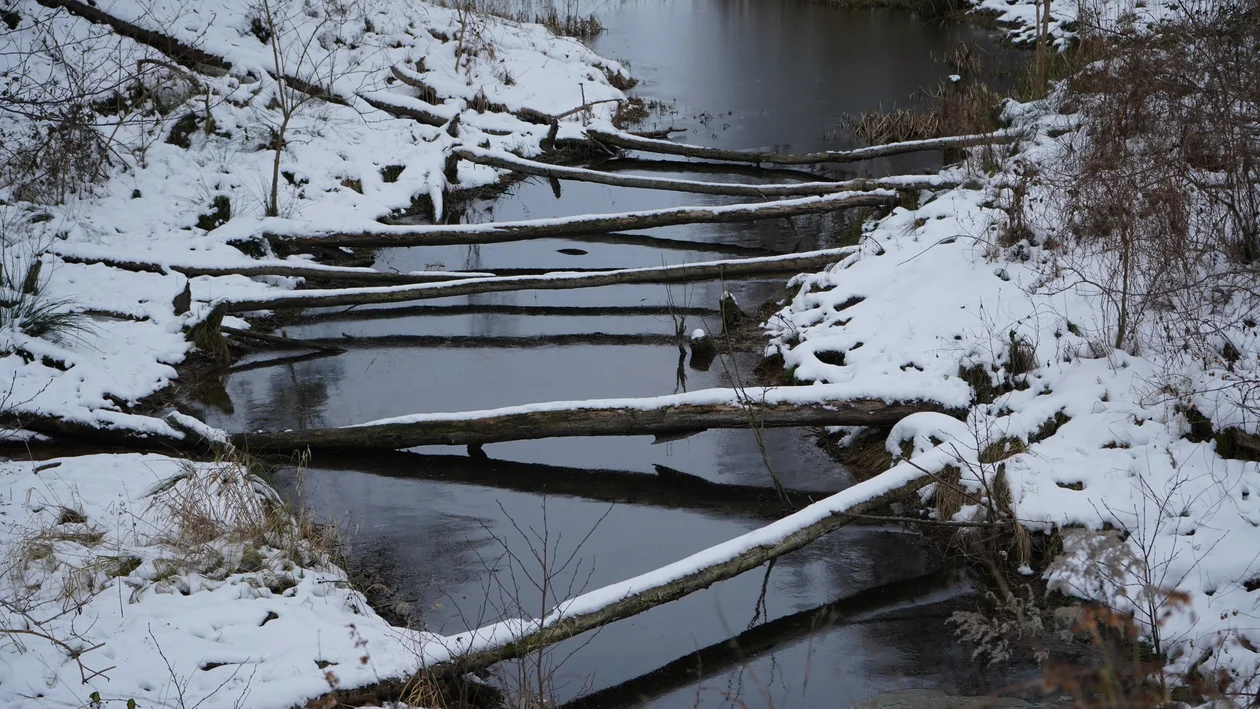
(1162, 218)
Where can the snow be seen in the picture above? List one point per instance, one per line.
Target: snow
(1101, 433)
(162, 617)
(1020, 17)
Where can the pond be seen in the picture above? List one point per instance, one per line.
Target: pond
(453, 538)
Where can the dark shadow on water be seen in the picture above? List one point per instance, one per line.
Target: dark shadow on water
(673, 490)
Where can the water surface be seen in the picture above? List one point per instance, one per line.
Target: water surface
(454, 538)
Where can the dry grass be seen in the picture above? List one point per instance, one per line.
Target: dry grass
(947, 493)
(952, 109)
(223, 518)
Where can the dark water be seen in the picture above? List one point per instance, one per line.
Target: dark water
(454, 537)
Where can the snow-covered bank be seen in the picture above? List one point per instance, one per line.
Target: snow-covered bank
(1086, 436)
(188, 161)
(146, 578)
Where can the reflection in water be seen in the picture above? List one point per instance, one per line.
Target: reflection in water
(832, 623)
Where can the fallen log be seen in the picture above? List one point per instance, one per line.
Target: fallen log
(823, 405)
(579, 311)
(386, 235)
(674, 166)
(508, 161)
(186, 55)
(311, 272)
(732, 268)
(650, 145)
(283, 342)
(513, 638)
(399, 107)
(595, 339)
(660, 242)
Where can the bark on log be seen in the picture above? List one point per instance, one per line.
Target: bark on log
(507, 161)
(665, 147)
(498, 232)
(709, 270)
(634, 417)
(715, 564)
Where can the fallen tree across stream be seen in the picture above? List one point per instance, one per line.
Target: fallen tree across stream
(822, 405)
(620, 139)
(681, 273)
(508, 161)
(306, 270)
(517, 637)
(389, 235)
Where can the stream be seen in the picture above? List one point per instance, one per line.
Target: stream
(454, 538)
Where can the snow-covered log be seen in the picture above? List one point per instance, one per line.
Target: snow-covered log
(682, 273)
(514, 638)
(191, 57)
(627, 141)
(310, 271)
(386, 235)
(508, 161)
(826, 405)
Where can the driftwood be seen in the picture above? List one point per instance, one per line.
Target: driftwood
(665, 147)
(618, 417)
(497, 232)
(507, 161)
(495, 644)
(709, 270)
